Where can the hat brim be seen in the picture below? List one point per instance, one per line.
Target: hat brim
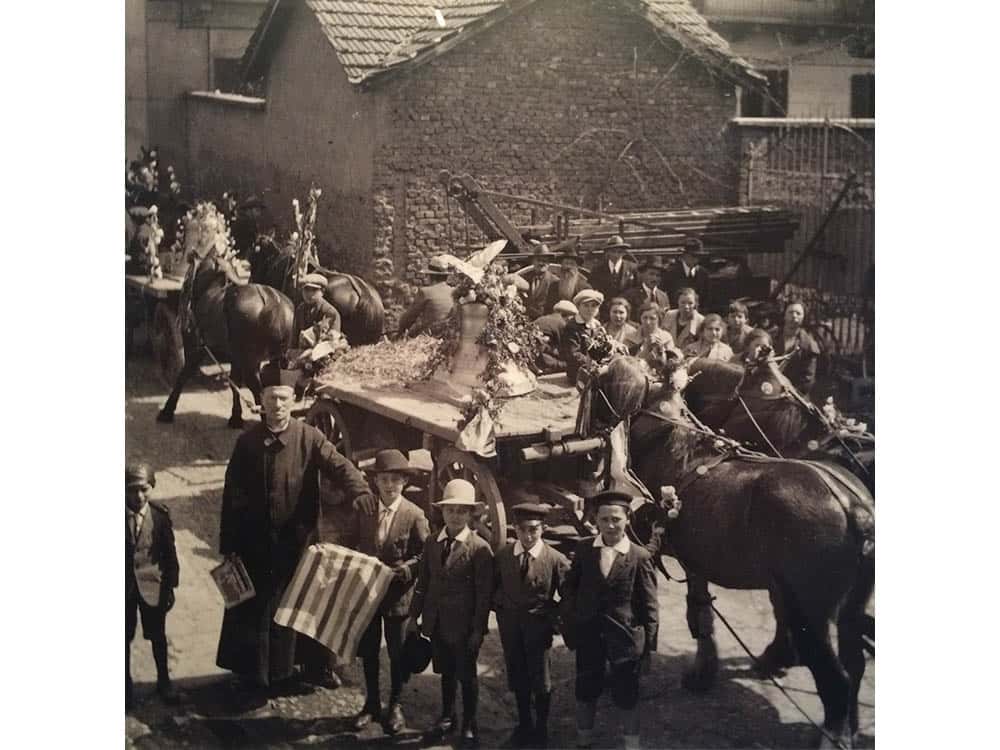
(401, 470)
(623, 246)
(460, 504)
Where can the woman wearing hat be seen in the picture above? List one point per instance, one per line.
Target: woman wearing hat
(396, 537)
(585, 342)
(452, 599)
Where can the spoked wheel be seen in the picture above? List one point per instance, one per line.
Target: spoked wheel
(167, 343)
(327, 417)
(451, 463)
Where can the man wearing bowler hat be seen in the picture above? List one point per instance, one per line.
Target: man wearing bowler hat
(539, 279)
(452, 599)
(571, 279)
(270, 513)
(396, 537)
(615, 274)
(431, 305)
(610, 616)
(529, 574)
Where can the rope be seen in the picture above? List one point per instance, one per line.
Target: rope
(773, 679)
(759, 428)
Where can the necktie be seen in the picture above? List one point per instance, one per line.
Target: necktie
(448, 542)
(524, 564)
(608, 555)
(133, 526)
(383, 525)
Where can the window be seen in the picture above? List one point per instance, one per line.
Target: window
(863, 95)
(772, 104)
(226, 74)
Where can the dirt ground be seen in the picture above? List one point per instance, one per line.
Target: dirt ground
(190, 457)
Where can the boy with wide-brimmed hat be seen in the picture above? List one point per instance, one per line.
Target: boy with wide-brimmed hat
(395, 536)
(609, 616)
(529, 574)
(452, 599)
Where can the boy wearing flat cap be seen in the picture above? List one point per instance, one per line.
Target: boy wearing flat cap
(452, 597)
(151, 575)
(313, 312)
(529, 574)
(396, 537)
(610, 616)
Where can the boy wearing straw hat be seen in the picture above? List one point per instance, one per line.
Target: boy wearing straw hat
(396, 537)
(452, 598)
(529, 574)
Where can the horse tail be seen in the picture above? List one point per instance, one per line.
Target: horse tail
(276, 319)
(366, 321)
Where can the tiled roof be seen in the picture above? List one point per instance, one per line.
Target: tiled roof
(374, 37)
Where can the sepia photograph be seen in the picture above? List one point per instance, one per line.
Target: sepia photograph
(499, 373)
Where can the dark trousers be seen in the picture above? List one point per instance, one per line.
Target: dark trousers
(154, 630)
(456, 663)
(593, 668)
(370, 648)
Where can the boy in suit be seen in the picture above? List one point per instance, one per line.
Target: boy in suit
(610, 616)
(529, 573)
(151, 575)
(396, 537)
(452, 597)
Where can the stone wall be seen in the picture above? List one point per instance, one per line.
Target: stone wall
(574, 101)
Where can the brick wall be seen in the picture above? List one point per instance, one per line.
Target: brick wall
(546, 104)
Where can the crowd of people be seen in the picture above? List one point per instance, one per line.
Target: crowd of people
(446, 581)
(626, 307)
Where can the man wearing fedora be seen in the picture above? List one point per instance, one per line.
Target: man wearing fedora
(431, 305)
(529, 575)
(313, 312)
(270, 513)
(571, 279)
(396, 537)
(610, 616)
(452, 599)
(540, 279)
(686, 272)
(647, 289)
(615, 274)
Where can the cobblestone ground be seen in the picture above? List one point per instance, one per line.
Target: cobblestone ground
(191, 455)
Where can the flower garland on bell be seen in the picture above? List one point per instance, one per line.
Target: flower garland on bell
(509, 336)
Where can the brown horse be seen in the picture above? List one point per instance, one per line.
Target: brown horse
(242, 324)
(755, 404)
(802, 530)
(361, 313)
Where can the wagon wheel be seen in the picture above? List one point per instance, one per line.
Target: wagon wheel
(167, 343)
(451, 463)
(327, 417)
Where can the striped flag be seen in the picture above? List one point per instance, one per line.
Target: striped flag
(333, 596)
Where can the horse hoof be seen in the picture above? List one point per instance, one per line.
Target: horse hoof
(236, 423)
(165, 417)
(773, 663)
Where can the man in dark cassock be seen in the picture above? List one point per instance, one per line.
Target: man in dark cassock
(270, 512)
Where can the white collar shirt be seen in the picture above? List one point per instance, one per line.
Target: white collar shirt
(136, 520)
(386, 514)
(461, 536)
(615, 267)
(608, 554)
(535, 550)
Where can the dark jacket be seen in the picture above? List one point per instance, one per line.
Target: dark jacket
(430, 307)
(627, 597)
(674, 279)
(453, 601)
(308, 314)
(402, 549)
(151, 566)
(270, 512)
(537, 295)
(561, 291)
(535, 595)
(637, 297)
(549, 358)
(800, 368)
(574, 351)
(612, 284)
